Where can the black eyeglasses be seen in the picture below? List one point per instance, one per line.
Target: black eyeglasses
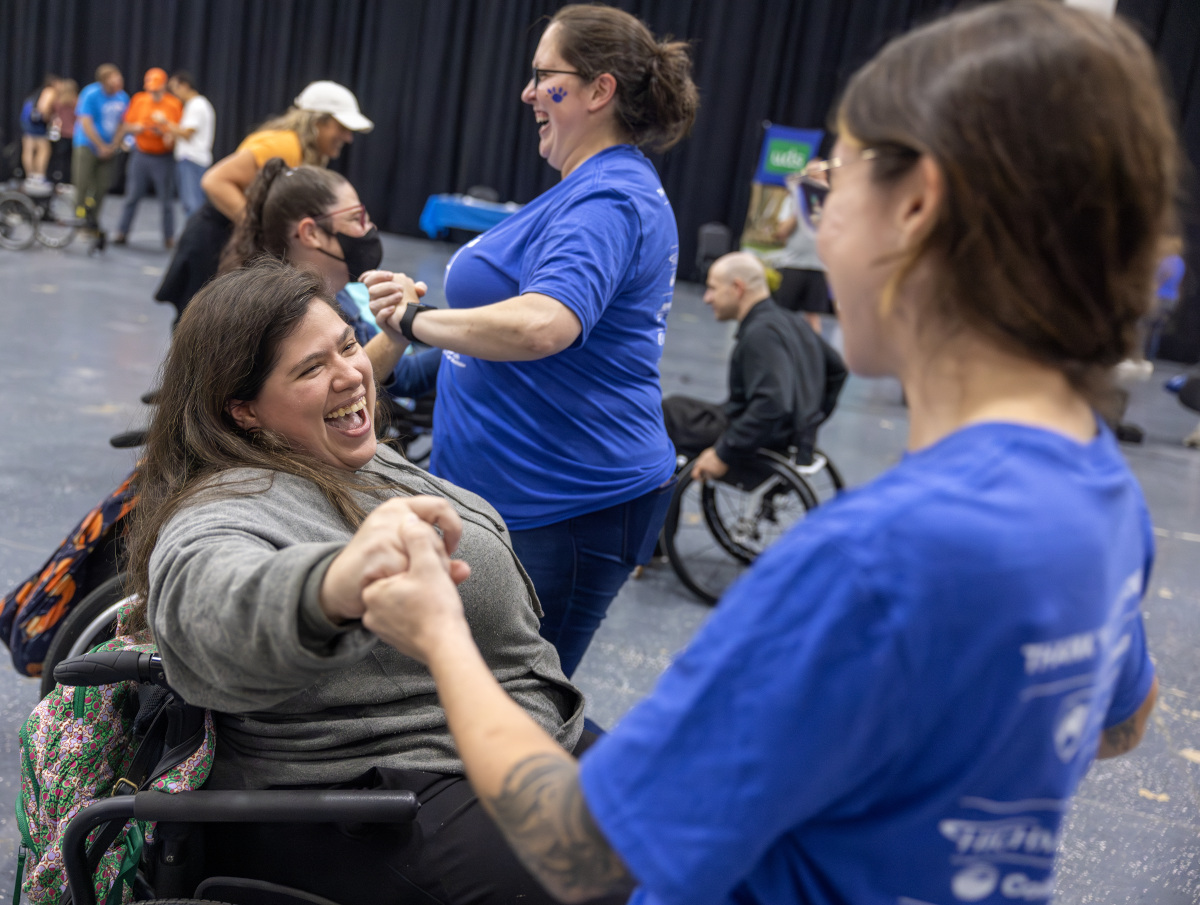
(539, 74)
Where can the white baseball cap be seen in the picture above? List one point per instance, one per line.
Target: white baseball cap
(337, 100)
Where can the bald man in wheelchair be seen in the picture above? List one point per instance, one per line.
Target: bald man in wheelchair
(784, 379)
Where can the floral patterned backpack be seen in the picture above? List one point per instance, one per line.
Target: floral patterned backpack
(85, 743)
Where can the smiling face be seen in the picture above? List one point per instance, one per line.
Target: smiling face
(332, 136)
(320, 395)
(560, 107)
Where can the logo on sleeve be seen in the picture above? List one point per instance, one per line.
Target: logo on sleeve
(975, 882)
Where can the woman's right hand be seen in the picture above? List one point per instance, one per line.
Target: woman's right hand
(377, 551)
(390, 293)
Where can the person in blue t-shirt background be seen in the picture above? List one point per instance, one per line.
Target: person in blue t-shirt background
(894, 705)
(99, 115)
(549, 400)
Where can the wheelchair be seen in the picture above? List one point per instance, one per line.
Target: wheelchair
(715, 529)
(50, 219)
(171, 869)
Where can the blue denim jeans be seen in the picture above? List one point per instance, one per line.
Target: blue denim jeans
(187, 175)
(577, 566)
(143, 170)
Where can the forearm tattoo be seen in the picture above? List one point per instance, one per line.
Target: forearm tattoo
(541, 811)
(1123, 736)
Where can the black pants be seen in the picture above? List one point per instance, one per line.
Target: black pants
(804, 290)
(197, 257)
(693, 424)
(452, 854)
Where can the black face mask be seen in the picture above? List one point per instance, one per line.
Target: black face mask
(361, 253)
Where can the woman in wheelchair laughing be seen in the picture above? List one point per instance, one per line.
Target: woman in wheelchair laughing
(265, 507)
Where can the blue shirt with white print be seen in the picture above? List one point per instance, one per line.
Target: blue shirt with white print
(897, 701)
(582, 430)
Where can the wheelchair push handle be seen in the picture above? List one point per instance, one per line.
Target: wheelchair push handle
(107, 667)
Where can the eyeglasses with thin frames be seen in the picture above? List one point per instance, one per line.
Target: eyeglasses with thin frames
(816, 179)
(539, 74)
(362, 218)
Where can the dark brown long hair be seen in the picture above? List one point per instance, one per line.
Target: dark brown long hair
(1061, 163)
(278, 199)
(656, 100)
(225, 347)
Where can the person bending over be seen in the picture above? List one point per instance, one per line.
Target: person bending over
(323, 120)
(784, 379)
(898, 699)
(265, 504)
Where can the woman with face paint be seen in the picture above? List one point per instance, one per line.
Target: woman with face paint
(312, 217)
(549, 402)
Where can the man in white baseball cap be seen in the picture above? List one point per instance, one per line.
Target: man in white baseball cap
(336, 100)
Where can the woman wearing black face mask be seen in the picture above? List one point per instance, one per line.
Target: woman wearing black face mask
(312, 217)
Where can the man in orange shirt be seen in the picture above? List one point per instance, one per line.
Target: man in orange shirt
(152, 159)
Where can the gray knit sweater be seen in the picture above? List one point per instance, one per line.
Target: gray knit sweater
(233, 603)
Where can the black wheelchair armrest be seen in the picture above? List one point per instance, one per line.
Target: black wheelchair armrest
(307, 806)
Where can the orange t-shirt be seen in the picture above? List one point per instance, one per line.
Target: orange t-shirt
(141, 112)
(274, 143)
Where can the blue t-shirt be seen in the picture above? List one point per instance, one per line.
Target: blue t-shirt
(896, 703)
(106, 111)
(544, 441)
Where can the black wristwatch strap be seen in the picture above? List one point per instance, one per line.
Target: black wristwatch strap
(411, 310)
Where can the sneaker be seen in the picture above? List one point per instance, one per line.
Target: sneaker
(168, 243)
(1175, 384)
(36, 186)
(1193, 439)
(119, 239)
(1133, 369)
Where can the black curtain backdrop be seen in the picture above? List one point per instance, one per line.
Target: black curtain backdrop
(442, 78)
(1173, 29)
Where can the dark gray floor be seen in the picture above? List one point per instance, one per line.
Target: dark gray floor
(80, 340)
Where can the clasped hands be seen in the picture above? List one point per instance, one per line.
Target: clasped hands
(390, 292)
(396, 575)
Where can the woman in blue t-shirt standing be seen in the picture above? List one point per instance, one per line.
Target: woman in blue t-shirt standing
(549, 404)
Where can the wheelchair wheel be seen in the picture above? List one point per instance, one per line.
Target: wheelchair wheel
(92, 621)
(18, 221)
(714, 530)
(56, 227)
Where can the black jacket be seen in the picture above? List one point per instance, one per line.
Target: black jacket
(784, 380)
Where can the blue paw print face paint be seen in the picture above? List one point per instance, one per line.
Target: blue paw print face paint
(557, 94)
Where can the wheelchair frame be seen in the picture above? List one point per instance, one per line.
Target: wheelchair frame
(734, 533)
(272, 806)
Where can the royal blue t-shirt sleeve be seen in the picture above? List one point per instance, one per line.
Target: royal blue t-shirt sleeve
(1136, 674)
(1135, 678)
(789, 700)
(581, 255)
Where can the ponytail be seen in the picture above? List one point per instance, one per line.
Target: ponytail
(278, 199)
(656, 100)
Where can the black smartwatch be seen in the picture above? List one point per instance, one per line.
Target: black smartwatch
(411, 310)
